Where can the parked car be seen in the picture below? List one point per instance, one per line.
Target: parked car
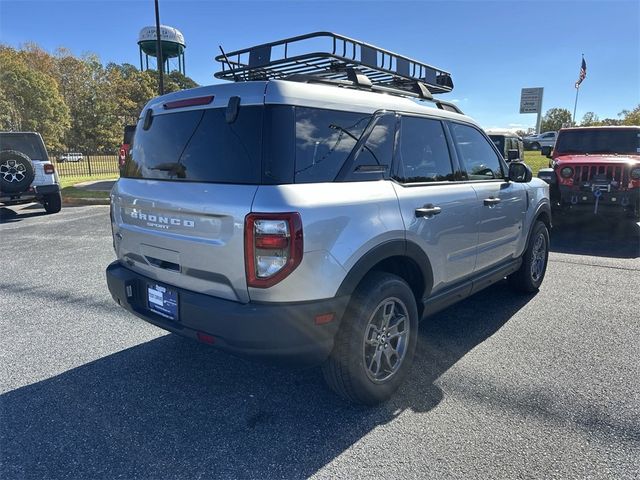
(71, 157)
(316, 219)
(536, 142)
(129, 131)
(26, 173)
(595, 170)
(509, 144)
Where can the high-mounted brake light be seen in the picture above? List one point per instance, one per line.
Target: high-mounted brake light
(189, 102)
(273, 247)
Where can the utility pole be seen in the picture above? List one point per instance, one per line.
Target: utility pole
(159, 53)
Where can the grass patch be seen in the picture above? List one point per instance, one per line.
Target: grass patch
(535, 161)
(73, 192)
(70, 181)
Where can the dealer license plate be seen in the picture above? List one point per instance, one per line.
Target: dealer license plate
(163, 301)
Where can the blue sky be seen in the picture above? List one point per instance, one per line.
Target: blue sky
(493, 49)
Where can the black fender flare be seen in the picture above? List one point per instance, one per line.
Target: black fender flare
(382, 251)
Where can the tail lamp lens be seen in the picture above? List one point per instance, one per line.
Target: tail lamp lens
(273, 247)
(635, 173)
(566, 172)
(49, 169)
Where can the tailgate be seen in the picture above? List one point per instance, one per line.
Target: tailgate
(190, 235)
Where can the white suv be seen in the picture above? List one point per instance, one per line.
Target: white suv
(71, 157)
(26, 173)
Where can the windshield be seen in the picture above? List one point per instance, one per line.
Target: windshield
(621, 141)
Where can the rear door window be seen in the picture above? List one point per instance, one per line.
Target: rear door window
(324, 140)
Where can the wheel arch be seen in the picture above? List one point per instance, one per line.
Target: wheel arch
(399, 257)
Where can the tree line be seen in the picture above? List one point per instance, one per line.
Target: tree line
(75, 103)
(556, 118)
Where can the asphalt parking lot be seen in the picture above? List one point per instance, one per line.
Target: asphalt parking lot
(504, 386)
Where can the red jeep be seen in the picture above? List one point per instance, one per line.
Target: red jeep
(595, 169)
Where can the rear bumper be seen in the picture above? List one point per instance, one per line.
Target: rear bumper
(33, 193)
(275, 331)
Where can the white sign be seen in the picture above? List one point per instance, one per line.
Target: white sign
(531, 100)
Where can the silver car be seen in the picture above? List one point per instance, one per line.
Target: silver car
(317, 222)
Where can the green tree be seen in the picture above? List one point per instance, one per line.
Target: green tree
(589, 119)
(631, 117)
(32, 100)
(555, 118)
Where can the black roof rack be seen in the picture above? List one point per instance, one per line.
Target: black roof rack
(335, 58)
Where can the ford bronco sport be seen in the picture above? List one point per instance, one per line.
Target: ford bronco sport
(318, 216)
(595, 170)
(26, 173)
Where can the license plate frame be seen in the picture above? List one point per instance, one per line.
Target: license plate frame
(163, 301)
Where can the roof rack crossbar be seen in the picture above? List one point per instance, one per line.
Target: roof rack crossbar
(278, 59)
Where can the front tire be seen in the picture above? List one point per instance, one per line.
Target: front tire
(529, 276)
(376, 343)
(52, 203)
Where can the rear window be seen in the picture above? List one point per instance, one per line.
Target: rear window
(499, 141)
(273, 144)
(199, 146)
(28, 144)
(623, 141)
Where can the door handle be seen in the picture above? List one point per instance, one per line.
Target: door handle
(490, 202)
(429, 210)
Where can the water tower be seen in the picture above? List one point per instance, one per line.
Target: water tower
(172, 46)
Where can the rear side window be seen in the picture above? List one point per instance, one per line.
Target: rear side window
(199, 146)
(129, 131)
(477, 154)
(324, 140)
(423, 154)
(30, 145)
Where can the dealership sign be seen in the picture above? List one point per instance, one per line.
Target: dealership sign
(531, 100)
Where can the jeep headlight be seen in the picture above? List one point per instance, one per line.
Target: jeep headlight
(566, 172)
(635, 173)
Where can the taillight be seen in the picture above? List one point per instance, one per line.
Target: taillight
(273, 247)
(49, 168)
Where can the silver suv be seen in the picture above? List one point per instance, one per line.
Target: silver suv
(318, 219)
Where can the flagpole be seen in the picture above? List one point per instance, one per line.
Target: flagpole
(575, 105)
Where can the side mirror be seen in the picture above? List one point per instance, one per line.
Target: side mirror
(520, 172)
(513, 154)
(546, 151)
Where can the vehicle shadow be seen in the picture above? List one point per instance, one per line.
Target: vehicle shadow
(8, 215)
(599, 236)
(171, 408)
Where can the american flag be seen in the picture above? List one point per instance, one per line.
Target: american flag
(583, 73)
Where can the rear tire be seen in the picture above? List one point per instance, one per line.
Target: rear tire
(529, 276)
(52, 203)
(376, 343)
